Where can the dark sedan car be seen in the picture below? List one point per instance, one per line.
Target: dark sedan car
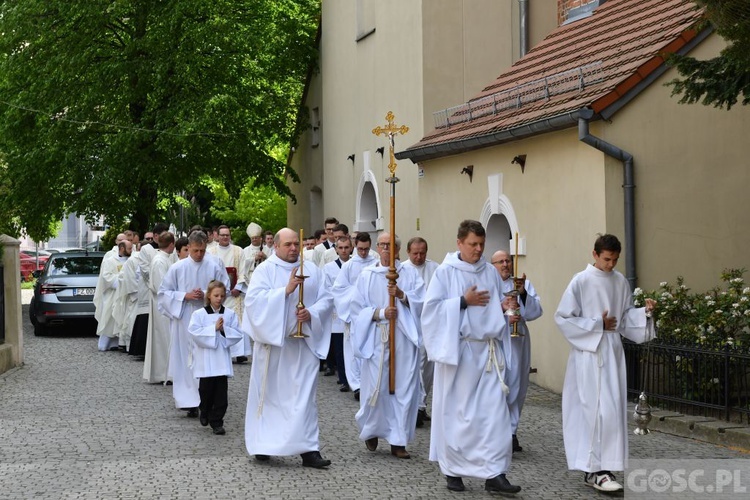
(64, 291)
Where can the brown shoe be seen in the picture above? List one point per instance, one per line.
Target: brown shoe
(400, 452)
(372, 444)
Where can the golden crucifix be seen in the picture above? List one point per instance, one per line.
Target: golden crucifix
(391, 129)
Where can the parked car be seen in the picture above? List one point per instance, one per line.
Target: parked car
(64, 291)
(29, 265)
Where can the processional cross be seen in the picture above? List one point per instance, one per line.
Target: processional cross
(391, 129)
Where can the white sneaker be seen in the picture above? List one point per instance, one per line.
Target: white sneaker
(602, 481)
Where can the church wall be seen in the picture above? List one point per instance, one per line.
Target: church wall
(692, 208)
(559, 202)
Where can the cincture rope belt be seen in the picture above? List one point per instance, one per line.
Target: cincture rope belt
(267, 348)
(493, 361)
(384, 336)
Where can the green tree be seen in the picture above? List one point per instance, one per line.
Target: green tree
(723, 80)
(257, 203)
(109, 108)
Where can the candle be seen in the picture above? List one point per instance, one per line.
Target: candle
(515, 260)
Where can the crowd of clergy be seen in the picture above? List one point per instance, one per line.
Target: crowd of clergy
(192, 307)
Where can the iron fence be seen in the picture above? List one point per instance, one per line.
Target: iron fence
(691, 380)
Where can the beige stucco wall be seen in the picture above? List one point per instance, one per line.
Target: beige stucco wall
(559, 204)
(692, 178)
(424, 56)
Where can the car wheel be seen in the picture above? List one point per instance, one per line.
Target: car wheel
(32, 312)
(40, 330)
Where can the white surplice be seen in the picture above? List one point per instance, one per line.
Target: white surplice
(211, 349)
(471, 427)
(158, 340)
(130, 299)
(183, 277)
(518, 375)
(383, 415)
(282, 413)
(343, 291)
(104, 300)
(594, 400)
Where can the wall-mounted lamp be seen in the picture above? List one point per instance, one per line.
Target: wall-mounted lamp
(351, 157)
(521, 160)
(380, 150)
(469, 170)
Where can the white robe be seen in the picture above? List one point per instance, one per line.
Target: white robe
(104, 300)
(232, 256)
(211, 349)
(470, 428)
(319, 253)
(518, 375)
(343, 290)
(181, 278)
(331, 271)
(383, 415)
(594, 400)
(130, 299)
(426, 367)
(282, 413)
(158, 340)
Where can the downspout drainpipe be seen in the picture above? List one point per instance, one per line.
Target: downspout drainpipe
(523, 14)
(628, 188)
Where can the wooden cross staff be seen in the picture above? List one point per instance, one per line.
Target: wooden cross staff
(390, 130)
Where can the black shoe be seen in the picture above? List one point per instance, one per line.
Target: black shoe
(262, 458)
(516, 446)
(241, 359)
(371, 444)
(425, 416)
(219, 431)
(313, 459)
(356, 395)
(192, 413)
(344, 388)
(500, 484)
(455, 483)
(203, 419)
(329, 372)
(169, 382)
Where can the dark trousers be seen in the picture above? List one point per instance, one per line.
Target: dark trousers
(337, 344)
(213, 392)
(139, 336)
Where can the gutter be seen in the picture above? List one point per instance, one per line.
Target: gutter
(628, 186)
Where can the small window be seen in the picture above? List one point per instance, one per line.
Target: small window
(365, 19)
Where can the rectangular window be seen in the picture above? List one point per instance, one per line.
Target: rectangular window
(365, 19)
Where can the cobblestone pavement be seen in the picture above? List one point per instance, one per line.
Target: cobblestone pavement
(79, 424)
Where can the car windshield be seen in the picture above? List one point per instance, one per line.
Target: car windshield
(75, 265)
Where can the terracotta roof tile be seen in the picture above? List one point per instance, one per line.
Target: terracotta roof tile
(622, 41)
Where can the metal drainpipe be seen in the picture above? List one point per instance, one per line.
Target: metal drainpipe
(628, 188)
(523, 14)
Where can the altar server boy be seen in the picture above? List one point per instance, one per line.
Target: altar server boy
(214, 330)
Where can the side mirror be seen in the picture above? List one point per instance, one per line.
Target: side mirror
(36, 273)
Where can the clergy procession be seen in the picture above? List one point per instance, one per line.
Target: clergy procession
(398, 334)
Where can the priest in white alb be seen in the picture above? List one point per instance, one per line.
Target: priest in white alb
(158, 339)
(343, 291)
(282, 414)
(182, 292)
(105, 296)
(231, 256)
(467, 338)
(595, 311)
(383, 415)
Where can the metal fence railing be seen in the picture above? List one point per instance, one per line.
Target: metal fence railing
(692, 380)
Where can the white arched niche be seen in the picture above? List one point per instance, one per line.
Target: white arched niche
(367, 214)
(499, 220)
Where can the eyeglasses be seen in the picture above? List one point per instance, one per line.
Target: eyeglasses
(225, 235)
(504, 261)
(384, 246)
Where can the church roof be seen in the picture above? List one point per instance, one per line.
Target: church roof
(600, 62)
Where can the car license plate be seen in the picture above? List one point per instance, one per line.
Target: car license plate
(83, 291)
